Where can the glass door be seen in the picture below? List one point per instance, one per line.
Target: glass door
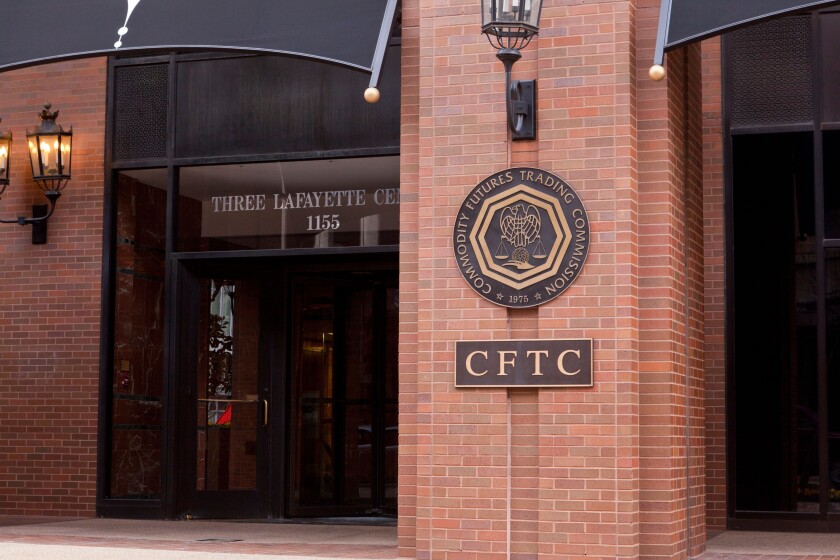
(228, 400)
(343, 396)
(288, 398)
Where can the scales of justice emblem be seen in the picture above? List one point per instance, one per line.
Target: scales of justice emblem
(521, 237)
(520, 226)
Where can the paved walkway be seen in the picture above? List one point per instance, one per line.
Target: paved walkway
(752, 545)
(110, 539)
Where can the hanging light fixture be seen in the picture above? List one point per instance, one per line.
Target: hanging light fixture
(50, 153)
(5, 150)
(510, 25)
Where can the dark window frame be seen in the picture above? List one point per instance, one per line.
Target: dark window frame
(169, 505)
(825, 520)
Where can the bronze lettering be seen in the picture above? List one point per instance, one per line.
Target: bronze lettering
(503, 362)
(537, 353)
(561, 362)
(469, 363)
(523, 363)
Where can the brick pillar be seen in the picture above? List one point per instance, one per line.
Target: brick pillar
(459, 497)
(715, 299)
(412, 406)
(461, 437)
(671, 302)
(589, 438)
(619, 467)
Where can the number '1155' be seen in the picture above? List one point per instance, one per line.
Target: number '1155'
(322, 222)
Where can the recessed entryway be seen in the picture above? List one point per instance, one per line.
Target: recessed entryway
(289, 388)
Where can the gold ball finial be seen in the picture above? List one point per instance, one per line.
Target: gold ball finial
(371, 95)
(657, 73)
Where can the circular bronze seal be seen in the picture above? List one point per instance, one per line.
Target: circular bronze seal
(521, 237)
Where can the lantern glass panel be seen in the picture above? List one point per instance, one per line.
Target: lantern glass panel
(64, 145)
(488, 13)
(521, 14)
(532, 12)
(5, 150)
(49, 154)
(34, 156)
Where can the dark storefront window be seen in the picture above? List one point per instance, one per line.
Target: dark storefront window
(832, 310)
(137, 382)
(831, 149)
(290, 205)
(783, 274)
(225, 188)
(777, 459)
(343, 408)
(833, 366)
(392, 334)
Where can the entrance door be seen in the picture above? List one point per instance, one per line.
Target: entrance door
(344, 396)
(289, 391)
(228, 399)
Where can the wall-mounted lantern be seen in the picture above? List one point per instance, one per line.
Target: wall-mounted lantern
(5, 151)
(510, 25)
(50, 157)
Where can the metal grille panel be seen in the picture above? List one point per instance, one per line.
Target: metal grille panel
(140, 111)
(770, 69)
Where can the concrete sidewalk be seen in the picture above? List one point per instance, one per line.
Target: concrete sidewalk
(109, 539)
(95, 539)
(732, 545)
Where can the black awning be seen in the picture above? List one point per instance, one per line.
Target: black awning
(685, 21)
(346, 33)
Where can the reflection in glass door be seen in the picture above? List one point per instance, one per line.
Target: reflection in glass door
(228, 407)
(344, 398)
(289, 396)
(230, 411)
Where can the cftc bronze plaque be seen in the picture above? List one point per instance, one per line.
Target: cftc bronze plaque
(521, 237)
(523, 363)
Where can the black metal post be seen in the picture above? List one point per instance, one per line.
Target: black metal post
(520, 99)
(40, 214)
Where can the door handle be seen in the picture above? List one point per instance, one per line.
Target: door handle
(265, 412)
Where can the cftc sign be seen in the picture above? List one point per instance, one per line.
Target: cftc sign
(523, 363)
(521, 237)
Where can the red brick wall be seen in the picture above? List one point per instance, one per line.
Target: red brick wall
(413, 409)
(609, 472)
(713, 211)
(671, 314)
(49, 302)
